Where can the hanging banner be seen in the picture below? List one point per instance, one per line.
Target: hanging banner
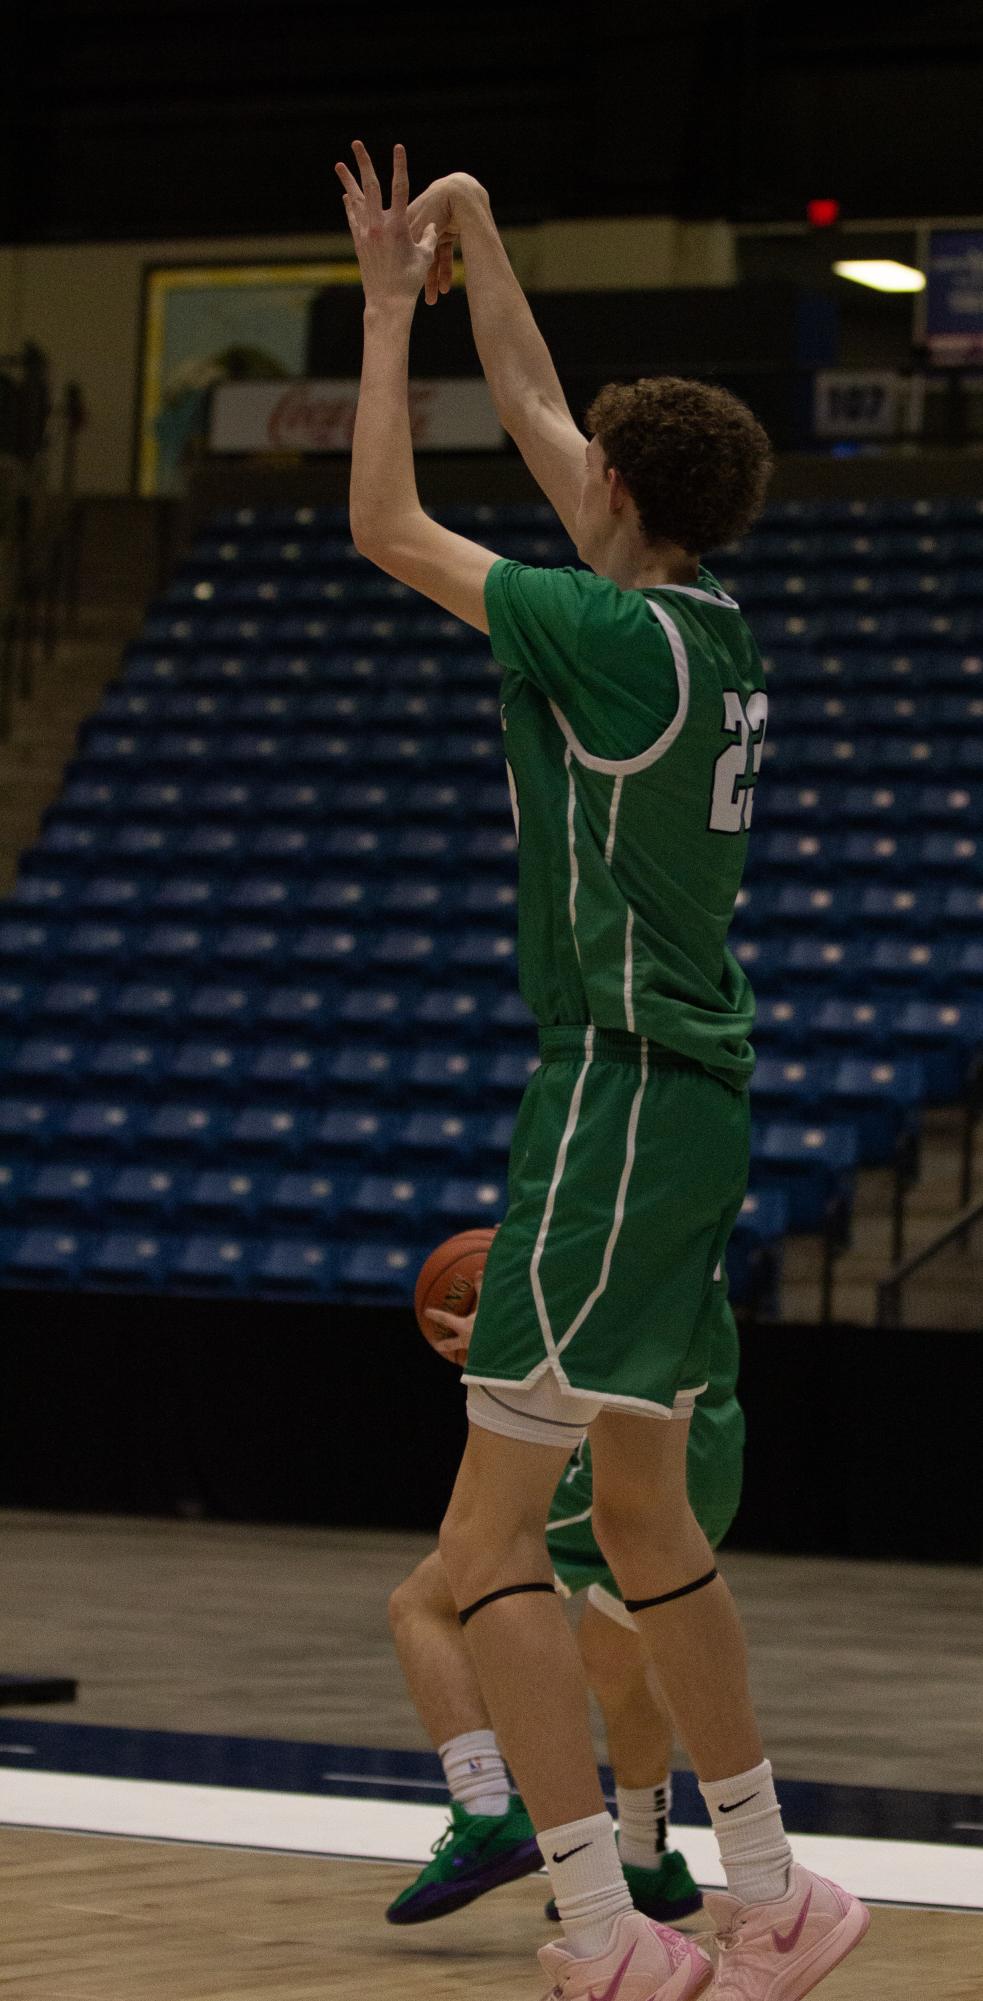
(954, 296)
(445, 415)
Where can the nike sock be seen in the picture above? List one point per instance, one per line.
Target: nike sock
(475, 1772)
(747, 1822)
(643, 1823)
(588, 1881)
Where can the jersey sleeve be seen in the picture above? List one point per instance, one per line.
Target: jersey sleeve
(575, 637)
(534, 622)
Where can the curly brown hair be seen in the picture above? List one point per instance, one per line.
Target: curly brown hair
(693, 457)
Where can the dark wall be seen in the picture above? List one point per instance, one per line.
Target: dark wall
(304, 1414)
(153, 117)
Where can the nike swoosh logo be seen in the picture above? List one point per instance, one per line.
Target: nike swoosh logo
(785, 1941)
(615, 1985)
(565, 1857)
(736, 1803)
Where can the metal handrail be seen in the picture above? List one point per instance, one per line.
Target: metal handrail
(889, 1289)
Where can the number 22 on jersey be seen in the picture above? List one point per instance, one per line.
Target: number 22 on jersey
(737, 767)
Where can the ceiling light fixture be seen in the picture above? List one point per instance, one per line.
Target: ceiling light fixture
(882, 273)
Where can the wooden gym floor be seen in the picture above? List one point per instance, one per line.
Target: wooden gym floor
(866, 1677)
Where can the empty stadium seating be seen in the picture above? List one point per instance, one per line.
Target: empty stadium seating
(259, 1026)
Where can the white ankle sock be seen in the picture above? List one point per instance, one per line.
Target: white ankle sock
(588, 1881)
(747, 1822)
(643, 1823)
(475, 1771)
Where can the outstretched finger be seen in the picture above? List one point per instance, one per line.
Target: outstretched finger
(348, 181)
(370, 179)
(401, 180)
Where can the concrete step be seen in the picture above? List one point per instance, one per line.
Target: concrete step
(928, 1303)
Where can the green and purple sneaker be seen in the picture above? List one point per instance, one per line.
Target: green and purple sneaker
(474, 1854)
(666, 1894)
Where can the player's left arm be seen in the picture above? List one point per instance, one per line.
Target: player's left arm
(388, 523)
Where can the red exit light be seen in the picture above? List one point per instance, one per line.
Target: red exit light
(823, 214)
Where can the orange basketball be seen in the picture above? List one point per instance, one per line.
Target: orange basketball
(447, 1279)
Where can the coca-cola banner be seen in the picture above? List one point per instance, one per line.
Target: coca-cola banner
(290, 417)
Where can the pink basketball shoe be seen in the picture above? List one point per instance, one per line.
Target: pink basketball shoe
(781, 1951)
(644, 1962)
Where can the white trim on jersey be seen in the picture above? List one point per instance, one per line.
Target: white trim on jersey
(626, 766)
(613, 819)
(694, 591)
(629, 972)
(572, 849)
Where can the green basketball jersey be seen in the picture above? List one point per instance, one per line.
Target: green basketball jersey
(633, 724)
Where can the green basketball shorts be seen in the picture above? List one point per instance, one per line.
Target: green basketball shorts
(627, 1170)
(714, 1467)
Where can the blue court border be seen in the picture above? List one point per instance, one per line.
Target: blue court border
(355, 1771)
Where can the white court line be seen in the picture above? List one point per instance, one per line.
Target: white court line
(893, 1872)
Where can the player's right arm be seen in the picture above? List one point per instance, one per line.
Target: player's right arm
(514, 356)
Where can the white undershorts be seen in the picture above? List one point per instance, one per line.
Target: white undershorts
(544, 1412)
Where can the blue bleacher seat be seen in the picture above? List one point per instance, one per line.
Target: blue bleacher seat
(945, 1036)
(226, 1008)
(374, 1008)
(230, 1194)
(76, 1188)
(132, 1061)
(153, 1006)
(218, 1065)
(81, 1003)
(55, 1062)
(404, 1201)
(383, 1271)
(356, 1132)
(287, 1068)
(45, 1257)
(301, 1268)
(880, 1097)
(191, 1128)
(304, 1198)
(219, 1264)
(14, 1177)
(357, 1066)
(813, 1160)
(310, 1008)
(151, 1190)
(134, 1260)
(262, 1131)
(471, 1203)
(448, 1070)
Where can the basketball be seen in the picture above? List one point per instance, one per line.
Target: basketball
(447, 1279)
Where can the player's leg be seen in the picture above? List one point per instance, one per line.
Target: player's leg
(778, 1918)
(639, 1735)
(493, 1545)
(489, 1839)
(637, 1725)
(437, 1666)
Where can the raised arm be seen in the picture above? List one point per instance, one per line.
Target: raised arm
(514, 356)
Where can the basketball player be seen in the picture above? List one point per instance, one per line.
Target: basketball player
(633, 712)
(490, 1838)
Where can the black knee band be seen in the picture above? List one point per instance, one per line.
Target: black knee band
(507, 1591)
(643, 1604)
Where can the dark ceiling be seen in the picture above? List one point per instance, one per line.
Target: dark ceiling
(125, 118)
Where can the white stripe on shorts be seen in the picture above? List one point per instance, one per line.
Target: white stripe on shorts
(561, 1161)
(619, 1207)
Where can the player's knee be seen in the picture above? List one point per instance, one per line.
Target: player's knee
(425, 1591)
(627, 1523)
